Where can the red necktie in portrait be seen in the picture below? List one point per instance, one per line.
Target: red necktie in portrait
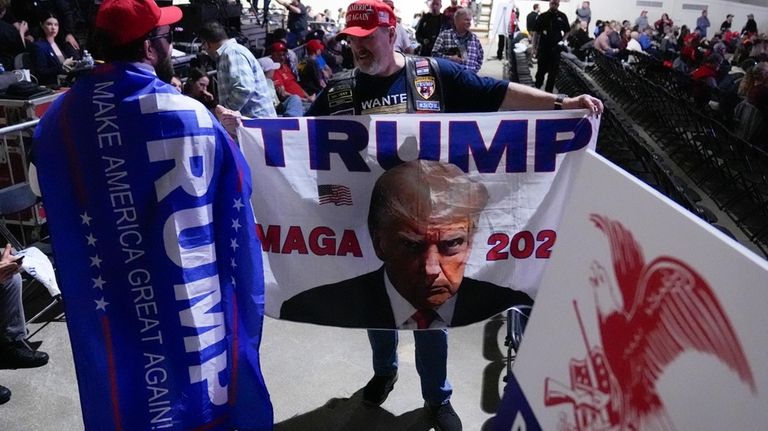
(424, 318)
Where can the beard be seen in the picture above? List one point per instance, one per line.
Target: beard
(164, 69)
(369, 66)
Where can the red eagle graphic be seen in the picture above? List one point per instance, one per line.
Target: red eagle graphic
(660, 310)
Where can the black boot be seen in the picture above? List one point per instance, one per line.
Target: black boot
(377, 389)
(5, 394)
(18, 354)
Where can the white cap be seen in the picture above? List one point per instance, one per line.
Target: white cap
(268, 64)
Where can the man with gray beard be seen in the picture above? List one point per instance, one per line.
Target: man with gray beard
(383, 83)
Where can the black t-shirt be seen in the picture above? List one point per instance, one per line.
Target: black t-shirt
(750, 27)
(463, 91)
(297, 22)
(551, 26)
(429, 27)
(530, 21)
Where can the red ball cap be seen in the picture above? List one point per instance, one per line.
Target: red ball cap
(278, 47)
(129, 20)
(314, 45)
(365, 16)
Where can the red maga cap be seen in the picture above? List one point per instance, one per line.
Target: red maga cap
(129, 20)
(365, 16)
(277, 47)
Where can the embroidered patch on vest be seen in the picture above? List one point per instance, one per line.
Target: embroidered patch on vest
(422, 67)
(425, 86)
(428, 105)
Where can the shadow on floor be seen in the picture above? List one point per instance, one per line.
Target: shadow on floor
(350, 414)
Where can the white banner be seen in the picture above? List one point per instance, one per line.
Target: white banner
(503, 175)
(661, 326)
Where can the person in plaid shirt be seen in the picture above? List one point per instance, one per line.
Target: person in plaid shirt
(241, 84)
(459, 44)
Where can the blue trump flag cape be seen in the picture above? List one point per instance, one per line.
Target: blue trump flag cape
(148, 206)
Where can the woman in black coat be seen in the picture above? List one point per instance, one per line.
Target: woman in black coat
(51, 57)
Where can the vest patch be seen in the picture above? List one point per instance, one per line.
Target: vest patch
(428, 105)
(425, 86)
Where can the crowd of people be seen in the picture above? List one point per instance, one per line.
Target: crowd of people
(726, 65)
(293, 77)
(300, 64)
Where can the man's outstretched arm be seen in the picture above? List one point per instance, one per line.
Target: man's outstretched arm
(521, 97)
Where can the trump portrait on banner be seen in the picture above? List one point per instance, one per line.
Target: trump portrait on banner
(421, 221)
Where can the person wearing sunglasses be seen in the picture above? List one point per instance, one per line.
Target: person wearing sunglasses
(139, 182)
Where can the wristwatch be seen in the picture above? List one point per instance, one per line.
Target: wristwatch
(559, 101)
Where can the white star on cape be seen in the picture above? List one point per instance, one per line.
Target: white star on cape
(98, 282)
(91, 239)
(95, 261)
(86, 219)
(101, 304)
(238, 204)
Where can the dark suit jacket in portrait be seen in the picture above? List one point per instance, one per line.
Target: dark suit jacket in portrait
(362, 302)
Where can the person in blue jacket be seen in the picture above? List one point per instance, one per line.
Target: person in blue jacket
(52, 57)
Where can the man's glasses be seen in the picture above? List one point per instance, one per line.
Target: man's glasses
(167, 36)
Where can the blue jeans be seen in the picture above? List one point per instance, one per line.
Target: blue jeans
(291, 107)
(12, 326)
(431, 360)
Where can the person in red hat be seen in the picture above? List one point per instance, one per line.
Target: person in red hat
(284, 78)
(382, 83)
(125, 160)
(313, 71)
(139, 32)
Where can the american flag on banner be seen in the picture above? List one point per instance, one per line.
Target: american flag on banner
(334, 194)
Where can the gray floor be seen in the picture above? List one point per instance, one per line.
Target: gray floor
(314, 375)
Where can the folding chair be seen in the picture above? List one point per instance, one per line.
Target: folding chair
(13, 200)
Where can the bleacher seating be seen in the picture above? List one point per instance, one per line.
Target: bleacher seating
(731, 171)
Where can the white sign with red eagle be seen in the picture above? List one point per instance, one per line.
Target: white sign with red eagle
(647, 319)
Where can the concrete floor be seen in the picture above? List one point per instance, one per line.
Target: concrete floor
(314, 375)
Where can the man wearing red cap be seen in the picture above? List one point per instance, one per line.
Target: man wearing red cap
(313, 70)
(382, 83)
(139, 183)
(284, 77)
